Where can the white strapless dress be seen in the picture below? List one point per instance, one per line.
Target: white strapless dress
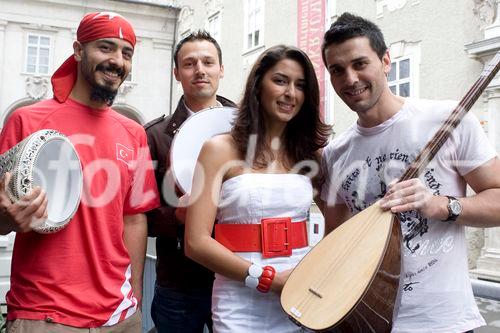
(246, 199)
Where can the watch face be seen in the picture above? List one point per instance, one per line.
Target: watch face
(455, 207)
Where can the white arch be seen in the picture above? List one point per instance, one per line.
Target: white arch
(129, 112)
(14, 106)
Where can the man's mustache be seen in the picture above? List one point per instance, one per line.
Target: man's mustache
(111, 68)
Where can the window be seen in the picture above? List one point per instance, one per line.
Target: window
(214, 23)
(254, 23)
(131, 76)
(399, 77)
(37, 54)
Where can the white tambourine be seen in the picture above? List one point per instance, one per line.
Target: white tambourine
(190, 137)
(47, 159)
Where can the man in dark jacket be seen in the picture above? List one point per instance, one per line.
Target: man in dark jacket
(183, 288)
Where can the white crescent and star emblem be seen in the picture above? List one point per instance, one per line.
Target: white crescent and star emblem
(124, 154)
(110, 15)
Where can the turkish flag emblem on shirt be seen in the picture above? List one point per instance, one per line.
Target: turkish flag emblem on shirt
(124, 154)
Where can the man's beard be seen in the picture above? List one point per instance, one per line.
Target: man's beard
(103, 94)
(100, 93)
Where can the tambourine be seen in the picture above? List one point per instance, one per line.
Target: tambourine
(190, 137)
(47, 159)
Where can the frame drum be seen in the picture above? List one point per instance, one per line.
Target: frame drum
(47, 159)
(190, 137)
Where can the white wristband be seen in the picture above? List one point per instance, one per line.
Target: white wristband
(251, 282)
(254, 273)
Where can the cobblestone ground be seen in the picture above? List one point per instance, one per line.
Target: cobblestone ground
(490, 310)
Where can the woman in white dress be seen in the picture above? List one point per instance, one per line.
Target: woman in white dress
(256, 183)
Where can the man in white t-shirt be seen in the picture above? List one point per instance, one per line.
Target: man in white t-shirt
(362, 163)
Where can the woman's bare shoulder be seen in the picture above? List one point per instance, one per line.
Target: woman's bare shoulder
(223, 143)
(222, 146)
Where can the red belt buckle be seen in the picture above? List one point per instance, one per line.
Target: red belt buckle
(275, 239)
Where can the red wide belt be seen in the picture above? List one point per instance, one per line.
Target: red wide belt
(274, 237)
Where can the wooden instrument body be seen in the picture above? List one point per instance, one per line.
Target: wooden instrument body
(374, 312)
(358, 289)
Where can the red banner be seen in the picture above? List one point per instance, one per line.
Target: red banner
(311, 27)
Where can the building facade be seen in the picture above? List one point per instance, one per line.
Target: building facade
(243, 29)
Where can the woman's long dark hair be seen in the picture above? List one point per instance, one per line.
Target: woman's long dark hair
(303, 135)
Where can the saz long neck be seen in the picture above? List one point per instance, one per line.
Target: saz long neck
(433, 146)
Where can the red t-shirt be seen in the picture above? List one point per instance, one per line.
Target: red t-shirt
(80, 276)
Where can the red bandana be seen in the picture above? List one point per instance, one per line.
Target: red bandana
(92, 27)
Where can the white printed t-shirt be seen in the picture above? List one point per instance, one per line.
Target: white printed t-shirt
(435, 292)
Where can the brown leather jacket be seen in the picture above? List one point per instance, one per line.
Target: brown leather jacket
(173, 268)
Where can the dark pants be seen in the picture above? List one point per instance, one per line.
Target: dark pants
(179, 311)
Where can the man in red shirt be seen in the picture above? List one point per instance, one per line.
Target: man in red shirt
(88, 275)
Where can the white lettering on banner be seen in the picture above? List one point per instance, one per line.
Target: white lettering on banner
(311, 23)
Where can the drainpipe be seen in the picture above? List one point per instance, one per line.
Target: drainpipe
(172, 63)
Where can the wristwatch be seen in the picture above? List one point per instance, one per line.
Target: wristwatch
(454, 209)
(254, 273)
